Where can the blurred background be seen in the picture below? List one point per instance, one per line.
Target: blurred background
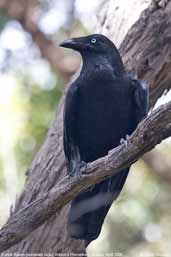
(33, 75)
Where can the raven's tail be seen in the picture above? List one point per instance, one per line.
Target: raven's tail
(89, 209)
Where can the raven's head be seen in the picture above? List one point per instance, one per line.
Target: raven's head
(96, 46)
(95, 43)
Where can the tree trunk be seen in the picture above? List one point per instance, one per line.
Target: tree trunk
(143, 51)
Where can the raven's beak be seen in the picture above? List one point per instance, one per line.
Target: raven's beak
(73, 43)
(69, 43)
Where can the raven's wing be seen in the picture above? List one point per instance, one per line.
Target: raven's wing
(69, 136)
(141, 99)
(89, 209)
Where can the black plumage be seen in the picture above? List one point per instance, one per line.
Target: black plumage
(103, 105)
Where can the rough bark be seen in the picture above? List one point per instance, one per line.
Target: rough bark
(147, 47)
(142, 50)
(150, 132)
(115, 18)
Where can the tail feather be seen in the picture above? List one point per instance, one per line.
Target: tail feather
(89, 209)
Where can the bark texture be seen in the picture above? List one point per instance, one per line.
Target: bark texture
(146, 50)
(147, 47)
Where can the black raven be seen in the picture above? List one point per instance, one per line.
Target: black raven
(102, 106)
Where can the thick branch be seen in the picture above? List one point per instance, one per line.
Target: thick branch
(150, 132)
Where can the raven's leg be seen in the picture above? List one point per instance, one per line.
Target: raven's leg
(75, 168)
(76, 162)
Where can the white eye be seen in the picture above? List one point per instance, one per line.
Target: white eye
(93, 40)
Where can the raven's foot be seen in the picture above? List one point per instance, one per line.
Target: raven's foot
(161, 3)
(76, 171)
(125, 141)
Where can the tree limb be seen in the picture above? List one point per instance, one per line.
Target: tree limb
(150, 132)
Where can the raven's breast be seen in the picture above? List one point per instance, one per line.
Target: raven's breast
(105, 115)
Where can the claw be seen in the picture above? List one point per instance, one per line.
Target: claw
(83, 164)
(161, 3)
(77, 170)
(125, 141)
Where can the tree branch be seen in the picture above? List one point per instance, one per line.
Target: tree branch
(150, 132)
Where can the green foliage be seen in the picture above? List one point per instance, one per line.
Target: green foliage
(41, 106)
(3, 19)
